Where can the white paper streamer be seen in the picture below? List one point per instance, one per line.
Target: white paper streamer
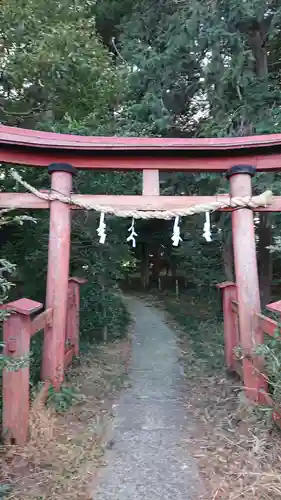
(102, 229)
(176, 238)
(207, 228)
(133, 234)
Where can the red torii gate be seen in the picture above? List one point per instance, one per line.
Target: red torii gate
(62, 154)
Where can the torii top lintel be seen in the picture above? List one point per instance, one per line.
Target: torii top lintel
(36, 148)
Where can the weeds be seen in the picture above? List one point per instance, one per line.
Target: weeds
(65, 448)
(63, 399)
(202, 322)
(236, 445)
(271, 352)
(4, 490)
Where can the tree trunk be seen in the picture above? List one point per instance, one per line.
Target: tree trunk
(144, 267)
(257, 39)
(227, 256)
(265, 258)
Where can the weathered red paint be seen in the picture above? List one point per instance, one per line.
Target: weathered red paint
(42, 320)
(144, 202)
(23, 306)
(73, 313)
(57, 280)
(249, 372)
(180, 162)
(150, 183)
(231, 333)
(61, 319)
(33, 138)
(274, 306)
(68, 356)
(16, 334)
(34, 148)
(267, 325)
(234, 306)
(247, 285)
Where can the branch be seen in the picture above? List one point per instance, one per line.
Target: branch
(117, 50)
(23, 113)
(239, 92)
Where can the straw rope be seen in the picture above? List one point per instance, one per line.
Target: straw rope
(237, 202)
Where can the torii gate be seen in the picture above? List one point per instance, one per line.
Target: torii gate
(62, 154)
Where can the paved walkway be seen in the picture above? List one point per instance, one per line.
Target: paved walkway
(148, 460)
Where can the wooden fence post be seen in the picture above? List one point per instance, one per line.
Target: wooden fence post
(58, 270)
(231, 333)
(73, 313)
(247, 283)
(16, 336)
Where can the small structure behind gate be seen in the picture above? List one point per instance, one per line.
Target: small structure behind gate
(63, 154)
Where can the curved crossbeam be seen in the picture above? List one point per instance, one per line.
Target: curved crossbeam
(36, 148)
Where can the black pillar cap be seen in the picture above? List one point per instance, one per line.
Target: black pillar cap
(241, 169)
(61, 167)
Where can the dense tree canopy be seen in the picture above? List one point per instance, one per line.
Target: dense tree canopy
(166, 68)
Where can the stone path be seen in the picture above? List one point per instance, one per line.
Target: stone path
(148, 460)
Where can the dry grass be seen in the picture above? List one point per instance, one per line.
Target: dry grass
(237, 446)
(237, 449)
(65, 451)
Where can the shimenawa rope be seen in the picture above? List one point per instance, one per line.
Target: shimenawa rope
(253, 202)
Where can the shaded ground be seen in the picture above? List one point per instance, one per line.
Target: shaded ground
(180, 411)
(147, 459)
(64, 449)
(237, 447)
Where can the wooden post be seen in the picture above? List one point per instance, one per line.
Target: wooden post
(150, 183)
(246, 273)
(177, 288)
(231, 334)
(57, 279)
(73, 313)
(16, 335)
(150, 187)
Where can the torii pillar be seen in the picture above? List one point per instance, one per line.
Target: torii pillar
(246, 275)
(58, 272)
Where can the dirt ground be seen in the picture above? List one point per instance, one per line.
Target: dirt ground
(66, 449)
(237, 447)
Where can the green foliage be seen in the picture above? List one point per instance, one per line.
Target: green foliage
(271, 352)
(164, 71)
(47, 49)
(7, 270)
(5, 489)
(63, 399)
(35, 360)
(201, 325)
(58, 76)
(102, 308)
(139, 68)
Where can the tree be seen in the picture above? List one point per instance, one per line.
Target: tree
(57, 75)
(54, 67)
(208, 69)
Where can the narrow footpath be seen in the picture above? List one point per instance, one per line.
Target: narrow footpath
(148, 459)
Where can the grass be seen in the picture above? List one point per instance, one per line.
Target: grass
(238, 450)
(65, 450)
(202, 321)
